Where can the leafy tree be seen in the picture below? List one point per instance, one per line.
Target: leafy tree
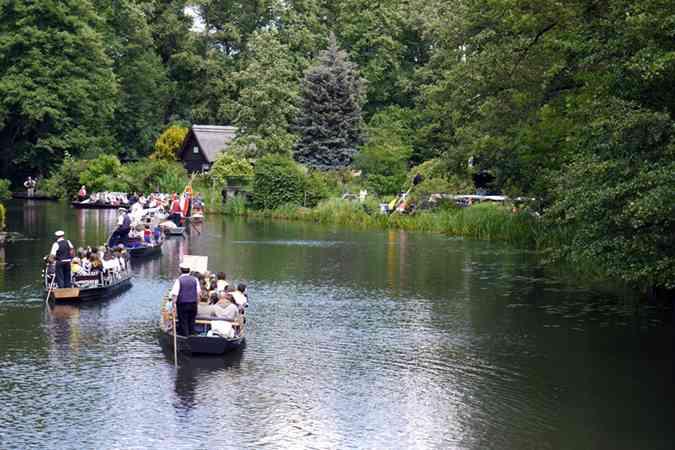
(267, 86)
(229, 165)
(330, 121)
(384, 158)
(103, 174)
(168, 143)
(57, 87)
(144, 89)
(278, 180)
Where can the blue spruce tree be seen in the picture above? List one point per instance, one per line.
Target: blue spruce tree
(330, 122)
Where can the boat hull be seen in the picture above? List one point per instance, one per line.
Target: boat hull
(83, 295)
(202, 345)
(80, 205)
(145, 251)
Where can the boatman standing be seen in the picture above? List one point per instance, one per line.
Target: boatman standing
(121, 233)
(62, 251)
(185, 295)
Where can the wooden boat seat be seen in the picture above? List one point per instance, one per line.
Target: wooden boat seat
(87, 277)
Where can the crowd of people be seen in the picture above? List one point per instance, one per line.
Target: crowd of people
(84, 267)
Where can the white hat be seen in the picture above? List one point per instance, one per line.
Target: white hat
(184, 265)
(59, 233)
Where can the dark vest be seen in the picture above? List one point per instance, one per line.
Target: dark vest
(187, 293)
(63, 252)
(126, 222)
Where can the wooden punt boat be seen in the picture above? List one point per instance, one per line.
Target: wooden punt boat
(145, 250)
(94, 205)
(203, 345)
(204, 342)
(90, 292)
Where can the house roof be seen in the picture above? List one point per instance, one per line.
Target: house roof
(213, 139)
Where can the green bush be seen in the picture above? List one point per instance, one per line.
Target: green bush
(3, 212)
(5, 192)
(103, 174)
(235, 207)
(278, 180)
(228, 165)
(316, 189)
(158, 175)
(65, 180)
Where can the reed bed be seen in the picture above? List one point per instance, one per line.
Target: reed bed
(483, 221)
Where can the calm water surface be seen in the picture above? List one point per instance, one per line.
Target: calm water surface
(357, 340)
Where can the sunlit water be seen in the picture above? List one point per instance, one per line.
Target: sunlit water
(356, 340)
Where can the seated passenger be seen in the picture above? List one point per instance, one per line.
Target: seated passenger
(226, 308)
(221, 282)
(240, 296)
(75, 267)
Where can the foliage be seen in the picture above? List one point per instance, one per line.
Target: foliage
(330, 119)
(384, 159)
(617, 198)
(143, 84)
(268, 93)
(228, 164)
(64, 182)
(57, 86)
(315, 189)
(148, 175)
(235, 207)
(168, 143)
(103, 174)
(3, 214)
(5, 191)
(277, 181)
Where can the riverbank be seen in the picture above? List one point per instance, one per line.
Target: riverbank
(483, 221)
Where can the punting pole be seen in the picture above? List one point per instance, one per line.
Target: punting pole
(51, 288)
(175, 346)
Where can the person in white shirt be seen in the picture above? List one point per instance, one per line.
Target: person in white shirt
(62, 250)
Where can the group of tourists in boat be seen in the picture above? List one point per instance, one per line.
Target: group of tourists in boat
(85, 273)
(203, 313)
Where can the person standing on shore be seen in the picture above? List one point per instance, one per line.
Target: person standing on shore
(62, 251)
(185, 294)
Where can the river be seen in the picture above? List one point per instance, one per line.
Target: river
(357, 339)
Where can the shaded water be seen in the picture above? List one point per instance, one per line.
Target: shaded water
(357, 340)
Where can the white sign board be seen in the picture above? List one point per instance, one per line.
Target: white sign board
(197, 263)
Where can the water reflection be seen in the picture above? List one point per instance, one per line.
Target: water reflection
(357, 339)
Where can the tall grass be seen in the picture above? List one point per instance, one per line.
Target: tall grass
(483, 221)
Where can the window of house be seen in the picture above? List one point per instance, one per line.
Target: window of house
(195, 149)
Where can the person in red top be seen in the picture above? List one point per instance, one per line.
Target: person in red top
(175, 212)
(82, 194)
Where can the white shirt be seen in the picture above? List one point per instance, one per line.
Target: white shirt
(176, 286)
(55, 246)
